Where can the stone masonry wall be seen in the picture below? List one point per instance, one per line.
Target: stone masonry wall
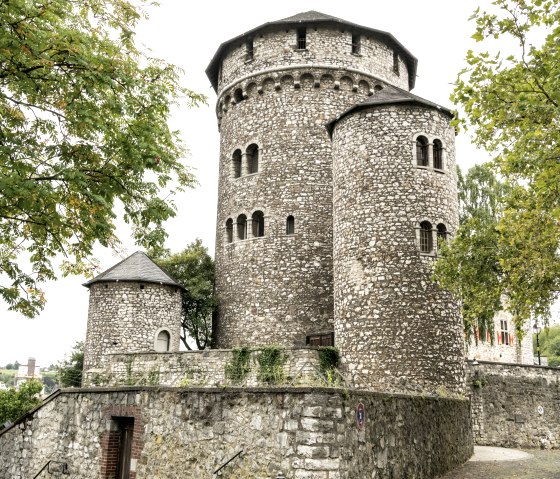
(199, 368)
(514, 405)
(127, 316)
(303, 433)
(395, 328)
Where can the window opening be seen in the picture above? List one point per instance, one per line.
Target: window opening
(229, 230)
(422, 151)
(441, 234)
(236, 161)
(253, 158)
(356, 44)
(162, 343)
(426, 237)
(290, 225)
(438, 155)
(249, 49)
(242, 227)
(126, 429)
(320, 339)
(238, 95)
(258, 224)
(396, 62)
(301, 39)
(504, 335)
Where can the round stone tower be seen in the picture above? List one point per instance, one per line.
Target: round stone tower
(394, 203)
(277, 87)
(133, 307)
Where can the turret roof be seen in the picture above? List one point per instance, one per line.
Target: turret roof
(312, 17)
(137, 267)
(388, 95)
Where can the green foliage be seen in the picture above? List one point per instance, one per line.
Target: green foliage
(14, 404)
(238, 368)
(84, 126)
(13, 366)
(8, 377)
(271, 365)
(512, 106)
(70, 370)
(549, 342)
(329, 358)
(194, 269)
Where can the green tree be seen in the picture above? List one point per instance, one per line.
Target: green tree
(84, 125)
(194, 269)
(549, 341)
(70, 370)
(15, 403)
(511, 105)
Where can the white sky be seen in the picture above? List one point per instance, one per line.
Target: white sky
(187, 34)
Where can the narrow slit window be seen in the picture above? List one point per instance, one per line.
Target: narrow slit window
(258, 224)
(236, 163)
(422, 151)
(253, 158)
(426, 245)
(438, 155)
(356, 44)
(396, 62)
(290, 225)
(249, 49)
(229, 230)
(301, 39)
(242, 227)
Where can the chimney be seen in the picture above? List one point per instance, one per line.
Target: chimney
(31, 367)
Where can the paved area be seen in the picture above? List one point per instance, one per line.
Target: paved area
(500, 463)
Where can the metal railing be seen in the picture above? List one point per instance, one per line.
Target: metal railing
(59, 467)
(228, 461)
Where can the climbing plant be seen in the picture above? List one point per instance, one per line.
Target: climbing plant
(271, 365)
(238, 368)
(329, 358)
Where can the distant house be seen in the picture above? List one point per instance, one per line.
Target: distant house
(28, 371)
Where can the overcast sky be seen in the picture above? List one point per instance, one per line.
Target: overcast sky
(187, 34)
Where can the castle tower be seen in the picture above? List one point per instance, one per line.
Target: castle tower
(395, 201)
(133, 306)
(277, 87)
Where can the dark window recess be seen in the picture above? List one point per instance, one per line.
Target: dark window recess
(249, 49)
(258, 224)
(229, 230)
(290, 225)
(356, 44)
(238, 95)
(426, 237)
(126, 429)
(422, 151)
(301, 39)
(236, 160)
(242, 227)
(441, 234)
(438, 155)
(320, 339)
(396, 62)
(253, 158)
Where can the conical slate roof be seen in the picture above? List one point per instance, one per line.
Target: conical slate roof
(312, 18)
(137, 267)
(389, 95)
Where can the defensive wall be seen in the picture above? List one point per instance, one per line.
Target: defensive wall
(299, 432)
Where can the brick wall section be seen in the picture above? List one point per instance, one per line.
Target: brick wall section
(395, 328)
(303, 433)
(197, 368)
(506, 406)
(126, 316)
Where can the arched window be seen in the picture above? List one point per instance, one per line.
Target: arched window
(253, 158)
(242, 227)
(258, 224)
(422, 151)
(426, 244)
(162, 341)
(438, 155)
(229, 230)
(238, 95)
(290, 225)
(441, 233)
(236, 162)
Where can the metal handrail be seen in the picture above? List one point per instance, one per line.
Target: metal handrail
(63, 469)
(228, 461)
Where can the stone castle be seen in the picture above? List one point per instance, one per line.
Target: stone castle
(337, 186)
